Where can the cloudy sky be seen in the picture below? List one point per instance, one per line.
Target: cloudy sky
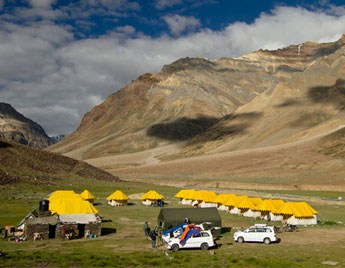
(60, 58)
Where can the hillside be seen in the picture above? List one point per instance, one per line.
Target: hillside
(19, 163)
(265, 117)
(18, 128)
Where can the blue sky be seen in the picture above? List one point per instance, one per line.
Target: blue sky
(60, 58)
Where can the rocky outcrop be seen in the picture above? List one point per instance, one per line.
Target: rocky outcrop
(16, 127)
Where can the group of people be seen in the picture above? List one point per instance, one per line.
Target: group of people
(158, 231)
(153, 234)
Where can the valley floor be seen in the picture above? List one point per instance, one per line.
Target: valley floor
(123, 243)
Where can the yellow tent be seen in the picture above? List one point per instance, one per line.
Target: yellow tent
(209, 197)
(200, 195)
(277, 203)
(233, 201)
(267, 205)
(118, 195)
(246, 203)
(88, 196)
(185, 193)
(152, 195)
(256, 200)
(60, 194)
(118, 198)
(73, 204)
(297, 209)
(222, 198)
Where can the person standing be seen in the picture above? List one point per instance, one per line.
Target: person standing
(146, 228)
(153, 238)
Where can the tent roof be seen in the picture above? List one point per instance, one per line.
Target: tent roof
(87, 195)
(222, 198)
(256, 200)
(246, 203)
(153, 195)
(72, 205)
(197, 215)
(267, 205)
(118, 195)
(210, 197)
(298, 209)
(204, 195)
(185, 193)
(79, 218)
(233, 201)
(61, 194)
(277, 203)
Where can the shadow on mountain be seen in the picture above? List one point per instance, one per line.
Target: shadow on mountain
(288, 102)
(309, 120)
(182, 128)
(205, 128)
(334, 94)
(4, 144)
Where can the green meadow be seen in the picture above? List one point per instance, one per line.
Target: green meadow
(123, 243)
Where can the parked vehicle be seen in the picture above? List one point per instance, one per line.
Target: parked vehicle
(204, 241)
(178, 230)
(257, 233)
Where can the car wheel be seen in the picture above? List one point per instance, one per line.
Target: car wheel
(240, 239)
(267, 241)
(175, 247)
(204, 246)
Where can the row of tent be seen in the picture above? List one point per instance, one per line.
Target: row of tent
(69, 202)
(268, 209)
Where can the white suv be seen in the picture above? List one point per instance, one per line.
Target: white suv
(204, 241)
(257, 233)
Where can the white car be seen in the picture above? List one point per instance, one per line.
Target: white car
(204, 241)
(179, 230)
(257, 233)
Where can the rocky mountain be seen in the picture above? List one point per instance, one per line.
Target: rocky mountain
(197, 107)
(20, 163)
(16, 127)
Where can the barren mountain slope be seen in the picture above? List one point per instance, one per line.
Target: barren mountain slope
(16, 127)
(303, 104)
(20, 163)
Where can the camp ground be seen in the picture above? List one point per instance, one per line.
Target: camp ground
(116, 232)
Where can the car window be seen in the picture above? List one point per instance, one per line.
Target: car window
(205, 235)
(268, 230)
(260, 230)
(251, 230)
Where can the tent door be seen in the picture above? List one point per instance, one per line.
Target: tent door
(52, 229)
(81, 229)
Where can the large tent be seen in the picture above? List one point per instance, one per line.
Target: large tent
(151, 197)
(298, 213)
(222, 199)
(209, 200)
(247, 207)
(88, 196)
(65, 202)
(172, 217)
(268, 210)
(118, 198)
(232, 204)
(185, 196)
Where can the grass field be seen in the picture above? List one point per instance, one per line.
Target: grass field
(124, 244)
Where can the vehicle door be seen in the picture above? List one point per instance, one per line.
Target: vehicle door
(250, 234)
(260, 234)
(193, 242)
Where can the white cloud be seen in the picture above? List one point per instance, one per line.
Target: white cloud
(178, 24)
(46, 4)
(161, 4)
(54, 79)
